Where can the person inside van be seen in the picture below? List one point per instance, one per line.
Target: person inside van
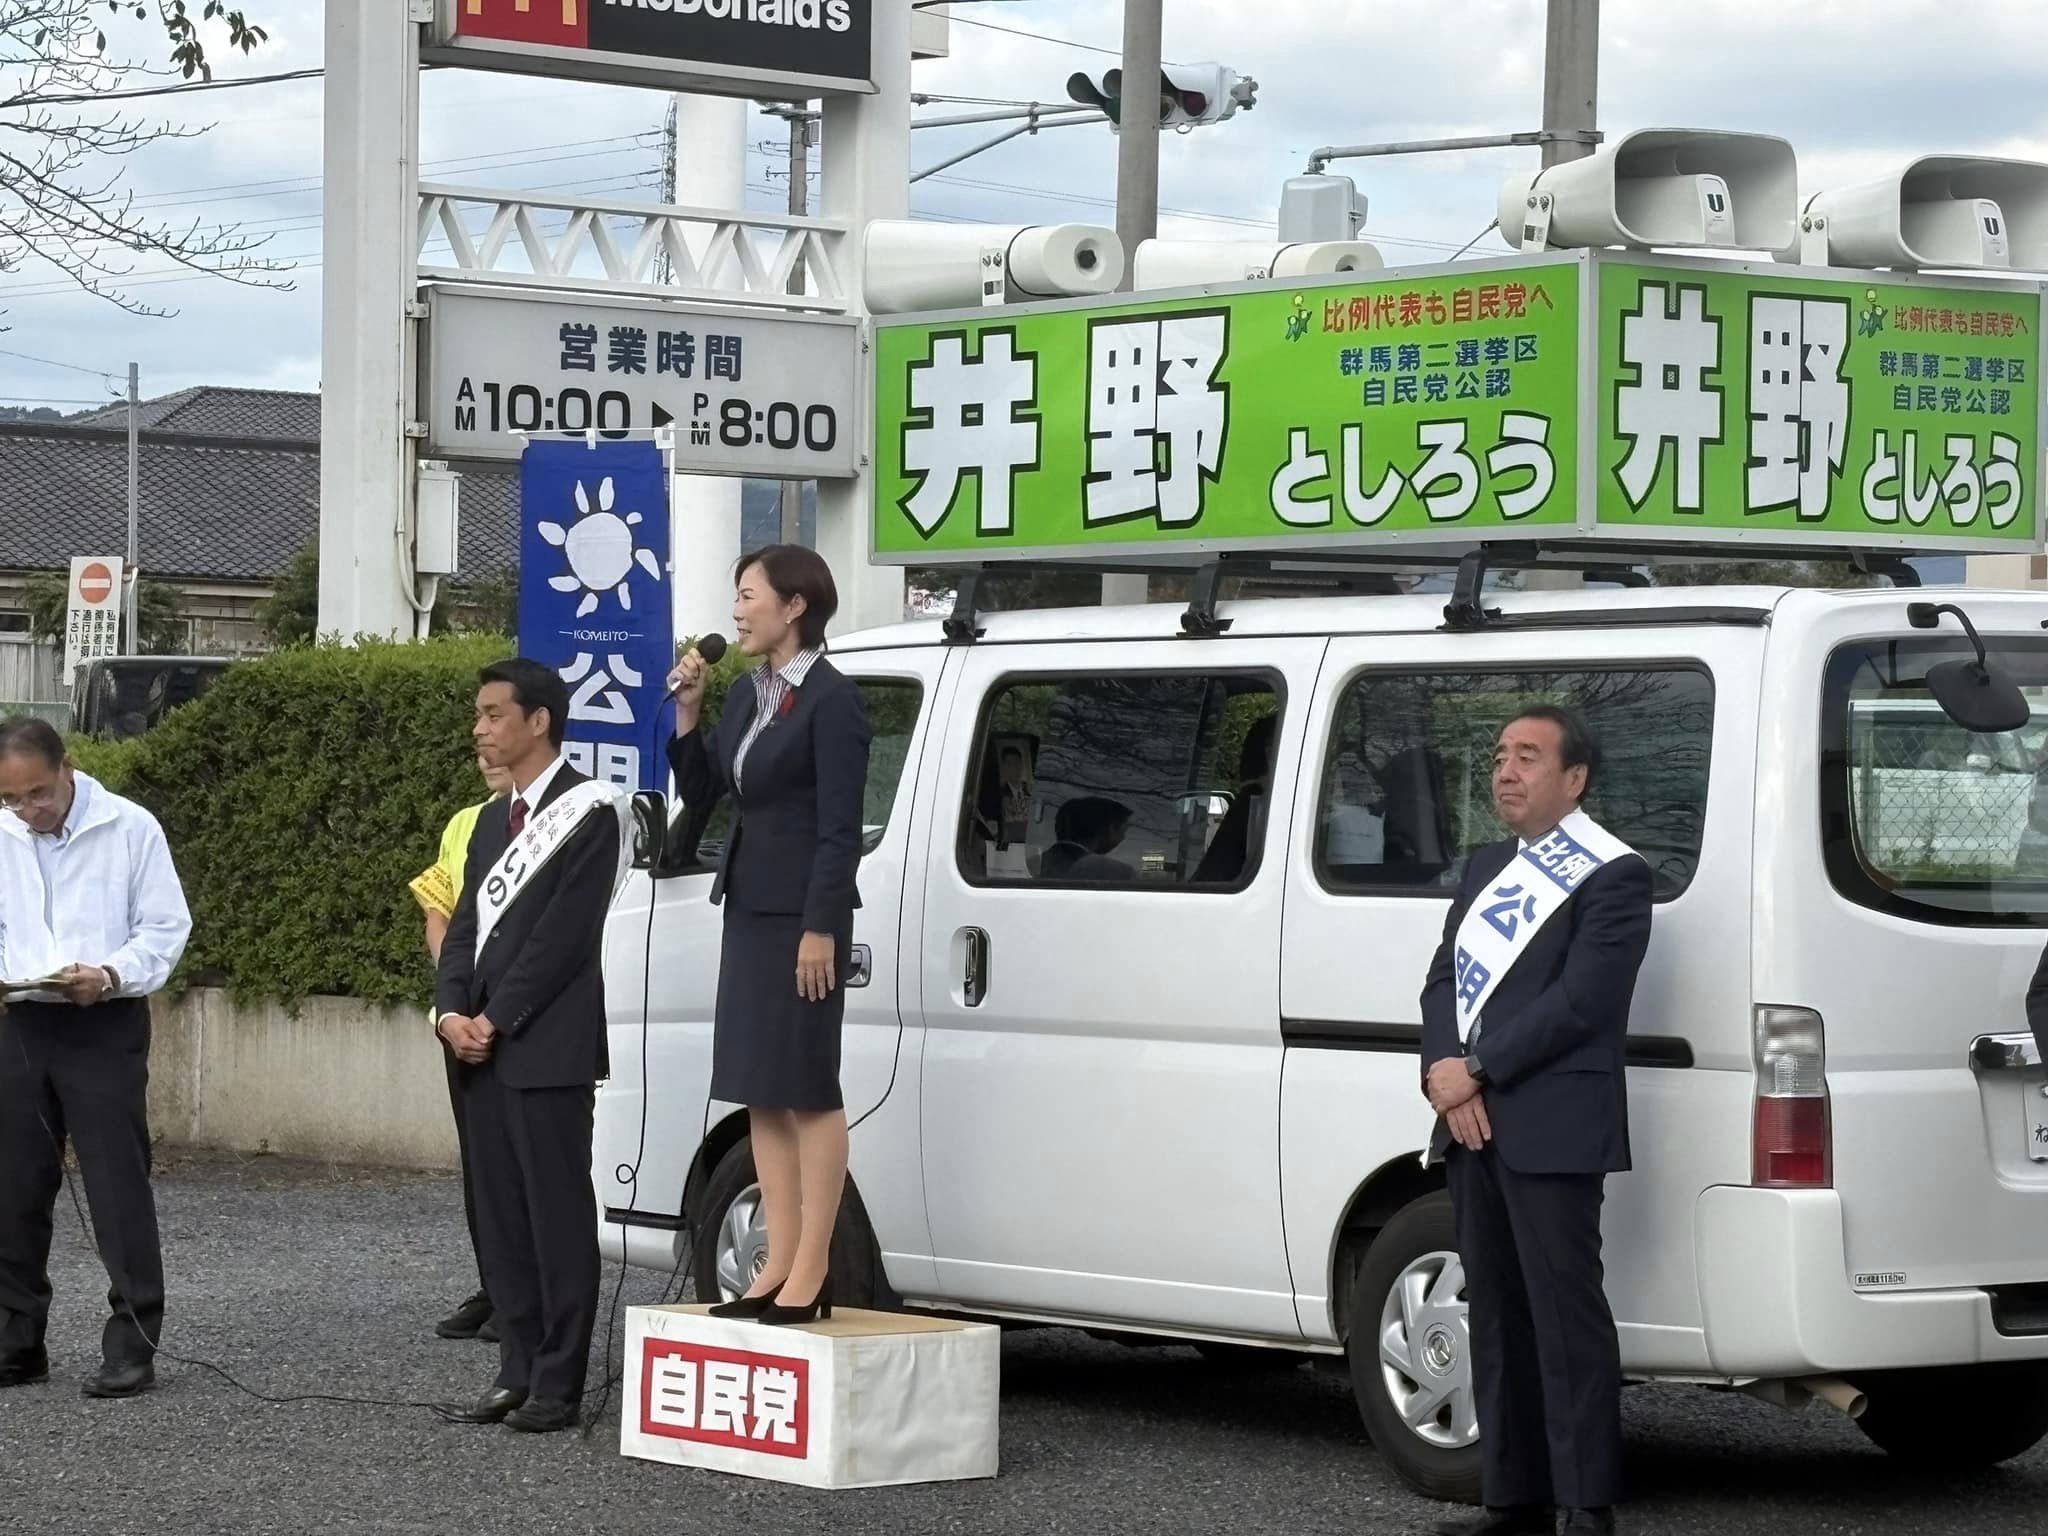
(1087, 828)
(1225, 859)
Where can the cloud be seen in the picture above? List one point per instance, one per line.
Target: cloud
(1856, 87)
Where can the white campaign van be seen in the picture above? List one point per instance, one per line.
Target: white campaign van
(1164, 1084)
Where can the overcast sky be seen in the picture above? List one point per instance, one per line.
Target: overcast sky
(1853, 86)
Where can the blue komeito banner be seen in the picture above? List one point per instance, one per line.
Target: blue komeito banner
(594, 599)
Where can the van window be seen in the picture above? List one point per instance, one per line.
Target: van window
(1920, 817)
(893, 704)
(1152, 780)
(1408, 781)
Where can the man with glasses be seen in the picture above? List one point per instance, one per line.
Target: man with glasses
(92, 920)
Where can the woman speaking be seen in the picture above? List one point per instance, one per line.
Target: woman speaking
(792, 750)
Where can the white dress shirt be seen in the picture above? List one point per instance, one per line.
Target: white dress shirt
(532, 793)
(101, 891)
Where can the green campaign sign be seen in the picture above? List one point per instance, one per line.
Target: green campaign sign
(1441, 405)
(1601, 396)
(1797, 407)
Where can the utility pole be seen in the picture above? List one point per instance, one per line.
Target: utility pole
(130, 647)
(664, 269)
(1137, 142)
(801, 126)
(1571, 76)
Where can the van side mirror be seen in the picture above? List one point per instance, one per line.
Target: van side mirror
(1976, 695)
(650, 829)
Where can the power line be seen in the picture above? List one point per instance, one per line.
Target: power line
(181, 89)
(159, 199)
(30, 357)
(1038, 37)
(1056, 195)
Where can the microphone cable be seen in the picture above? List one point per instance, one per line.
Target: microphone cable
(712, 648)
(89, 1230)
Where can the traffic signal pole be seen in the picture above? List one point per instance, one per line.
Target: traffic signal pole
(1571, 79)
(1137, 144)
(1571, 100)
(1137, 184)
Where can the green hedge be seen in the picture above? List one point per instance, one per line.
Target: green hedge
(300, 794)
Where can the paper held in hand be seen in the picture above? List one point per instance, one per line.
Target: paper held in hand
(43, 984)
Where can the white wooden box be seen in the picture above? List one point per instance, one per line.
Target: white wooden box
(865, 1400)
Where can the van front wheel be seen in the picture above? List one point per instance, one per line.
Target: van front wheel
(1959, 1418)
(1411, 1353)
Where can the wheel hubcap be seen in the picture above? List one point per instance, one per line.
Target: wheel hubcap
(1425, 1350)
(742, 1251)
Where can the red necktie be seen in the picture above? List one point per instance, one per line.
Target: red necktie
(518, 817)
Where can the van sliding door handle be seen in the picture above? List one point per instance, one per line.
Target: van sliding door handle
(974, 978)
(2004, 1053)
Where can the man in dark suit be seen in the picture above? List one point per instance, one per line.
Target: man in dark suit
(1522, 1058)
(523, 1009)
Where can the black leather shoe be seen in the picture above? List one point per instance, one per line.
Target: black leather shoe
(489, 1334)
(545, 1416)
(24, 1369)
(1588, 1522)
(494, 1407)
(129, 1378)
(1520, 1520)
(466, 1320)
(743, 1308)
(779, 1316)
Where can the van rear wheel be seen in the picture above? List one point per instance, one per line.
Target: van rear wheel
(1956, 1419)
(1411, 1353)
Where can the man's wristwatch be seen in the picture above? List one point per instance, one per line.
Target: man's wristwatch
(1473, 1068)
(113, 981)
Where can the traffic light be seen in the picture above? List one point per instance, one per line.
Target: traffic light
(1189, 94)
(1937, 211)
(1192, 263)
(1662, 187)
(907, 266)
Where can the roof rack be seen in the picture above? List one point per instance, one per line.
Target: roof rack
(1351, 573)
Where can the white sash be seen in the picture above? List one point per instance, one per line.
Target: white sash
(1534, 886)
(541, 839)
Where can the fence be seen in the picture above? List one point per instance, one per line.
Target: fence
(1934, 801)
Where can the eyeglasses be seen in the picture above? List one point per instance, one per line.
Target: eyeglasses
(41, 798)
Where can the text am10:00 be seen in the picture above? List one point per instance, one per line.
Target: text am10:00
(739, 423)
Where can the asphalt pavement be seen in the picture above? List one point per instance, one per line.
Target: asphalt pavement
(297, 1278)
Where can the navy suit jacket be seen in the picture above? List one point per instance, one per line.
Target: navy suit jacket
(540, 978)
(795, 843)
(1556, 1089)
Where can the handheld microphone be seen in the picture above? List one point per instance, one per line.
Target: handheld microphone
(711, 647)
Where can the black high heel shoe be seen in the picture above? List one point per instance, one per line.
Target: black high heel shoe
(820, 1307)
(746, 1308)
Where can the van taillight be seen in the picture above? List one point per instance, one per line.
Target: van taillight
(1791, 1146)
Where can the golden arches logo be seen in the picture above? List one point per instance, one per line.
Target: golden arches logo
(476, 8)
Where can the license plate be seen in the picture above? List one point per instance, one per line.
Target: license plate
(2035, 1096)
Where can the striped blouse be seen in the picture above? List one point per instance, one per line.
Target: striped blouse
(771, 687)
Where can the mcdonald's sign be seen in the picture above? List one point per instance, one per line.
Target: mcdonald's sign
(755, 48)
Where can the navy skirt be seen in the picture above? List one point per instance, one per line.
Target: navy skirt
(770, 1048)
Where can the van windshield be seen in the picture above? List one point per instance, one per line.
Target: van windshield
(1919, 816)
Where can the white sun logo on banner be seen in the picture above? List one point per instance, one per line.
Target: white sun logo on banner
(601, 550)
